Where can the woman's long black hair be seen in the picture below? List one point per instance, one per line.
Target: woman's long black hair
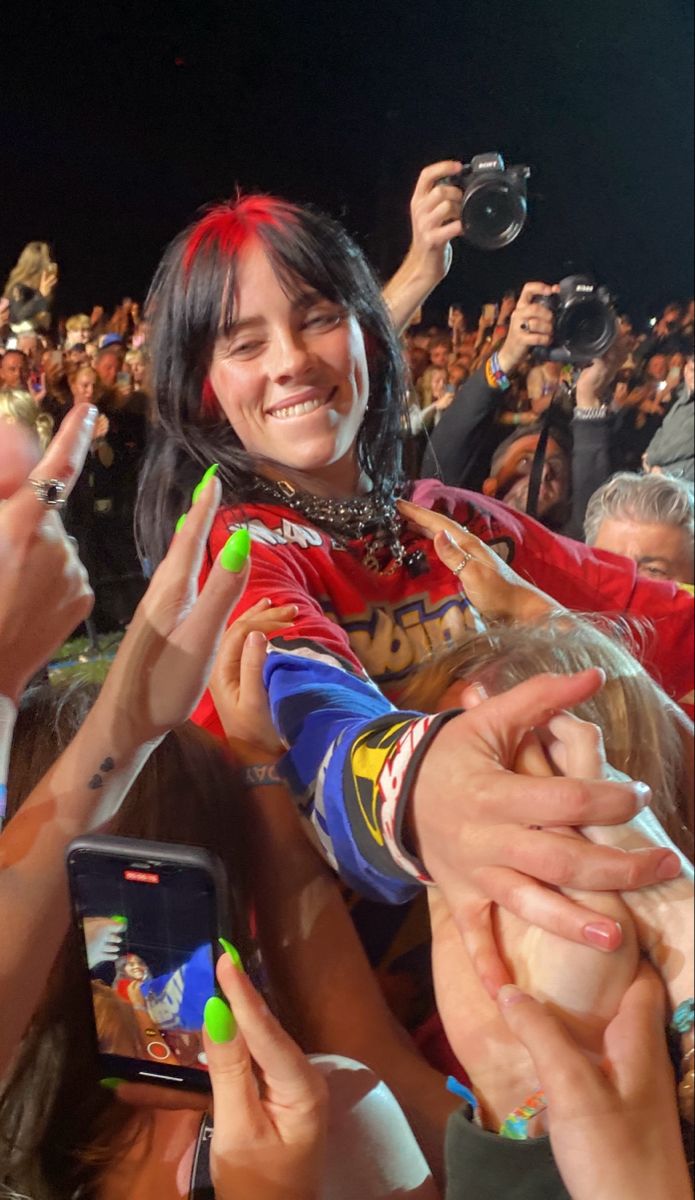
(192, 298)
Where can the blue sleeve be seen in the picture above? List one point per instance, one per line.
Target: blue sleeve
(351, 761)
(177, 999)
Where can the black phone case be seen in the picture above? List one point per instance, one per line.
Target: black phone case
(139, 853)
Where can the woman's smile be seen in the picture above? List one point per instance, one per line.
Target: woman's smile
(291, 375)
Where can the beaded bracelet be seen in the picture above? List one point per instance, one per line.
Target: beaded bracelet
(495, 377)
(515, 1126)
(683, 1018)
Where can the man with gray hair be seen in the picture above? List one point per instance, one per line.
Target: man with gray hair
(648, 518)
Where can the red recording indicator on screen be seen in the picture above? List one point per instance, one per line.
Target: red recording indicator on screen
(141, 876)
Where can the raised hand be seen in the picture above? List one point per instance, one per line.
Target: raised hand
(531, 324)
(44, 589)
(164, 660)
(435, 214)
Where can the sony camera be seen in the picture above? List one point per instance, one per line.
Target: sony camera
(586, 324)
(494, 200)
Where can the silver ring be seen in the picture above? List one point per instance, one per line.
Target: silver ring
(50, 492)
(463, 563)
(525, 326)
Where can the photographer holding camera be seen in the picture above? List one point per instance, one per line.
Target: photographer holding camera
(565, 322)
(462, 446)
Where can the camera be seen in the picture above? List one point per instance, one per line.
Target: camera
(585, 322)
(494, 200)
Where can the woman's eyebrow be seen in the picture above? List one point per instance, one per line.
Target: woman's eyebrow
(299, 303)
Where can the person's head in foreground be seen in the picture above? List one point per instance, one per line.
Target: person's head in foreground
(648, 518)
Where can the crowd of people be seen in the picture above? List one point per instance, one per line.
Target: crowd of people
(409, 630)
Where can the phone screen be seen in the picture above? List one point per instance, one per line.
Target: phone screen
(148, 928)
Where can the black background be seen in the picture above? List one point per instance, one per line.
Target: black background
(118, 120)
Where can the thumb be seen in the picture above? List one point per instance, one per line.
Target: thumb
(561, 1066)
(252, 688)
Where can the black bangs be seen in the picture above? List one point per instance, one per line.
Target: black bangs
(193, 298)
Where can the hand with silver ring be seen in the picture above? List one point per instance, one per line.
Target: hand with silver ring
(463, 563)
(50, 492)
(44, 589)
(530, 325)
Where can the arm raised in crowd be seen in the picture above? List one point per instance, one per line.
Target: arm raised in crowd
(435, 213)
(155, 681)
(456, 445)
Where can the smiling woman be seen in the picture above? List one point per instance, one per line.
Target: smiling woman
(275, 359)
(291, 377)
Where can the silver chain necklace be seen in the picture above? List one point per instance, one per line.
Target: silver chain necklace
(347, 519)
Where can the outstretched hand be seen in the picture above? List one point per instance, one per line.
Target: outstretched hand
(236, 683)
(485, 837)
(491, 586)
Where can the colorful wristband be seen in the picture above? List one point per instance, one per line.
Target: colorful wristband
(515, 1126)
(495, 377)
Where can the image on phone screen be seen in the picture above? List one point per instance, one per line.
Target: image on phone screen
(148, 934)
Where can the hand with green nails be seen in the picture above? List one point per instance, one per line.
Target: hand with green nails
(267, 1141)
(163, 662)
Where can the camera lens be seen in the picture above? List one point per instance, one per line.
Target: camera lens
(493, 214)
(587, 328)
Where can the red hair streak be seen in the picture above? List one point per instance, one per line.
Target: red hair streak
(209, 399)
(229, 226)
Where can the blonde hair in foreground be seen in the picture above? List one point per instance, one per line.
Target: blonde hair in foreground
(635, 716)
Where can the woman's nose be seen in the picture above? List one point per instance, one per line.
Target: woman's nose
(291, 356)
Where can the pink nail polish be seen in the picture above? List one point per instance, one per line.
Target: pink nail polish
(603, 937)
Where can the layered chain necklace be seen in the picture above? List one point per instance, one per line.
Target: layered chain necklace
(376, 523)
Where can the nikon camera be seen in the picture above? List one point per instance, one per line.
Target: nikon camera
(585, 322)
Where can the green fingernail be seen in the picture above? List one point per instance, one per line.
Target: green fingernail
(209, 474)
(236, 551)
(233, 954)
(111, 1083)
(117, 917)
(180, 523)
(219, 1020)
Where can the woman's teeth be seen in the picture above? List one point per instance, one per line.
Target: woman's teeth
(297, 410)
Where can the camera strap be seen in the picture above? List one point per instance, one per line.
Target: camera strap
(534, 484)
(547, 422)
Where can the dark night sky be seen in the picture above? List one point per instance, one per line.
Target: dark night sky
(110, 144)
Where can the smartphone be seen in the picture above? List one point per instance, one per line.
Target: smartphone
(124, 379)
(149, 915)
(490, 313)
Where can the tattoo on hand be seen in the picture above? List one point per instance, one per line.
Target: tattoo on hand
(97, 781)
